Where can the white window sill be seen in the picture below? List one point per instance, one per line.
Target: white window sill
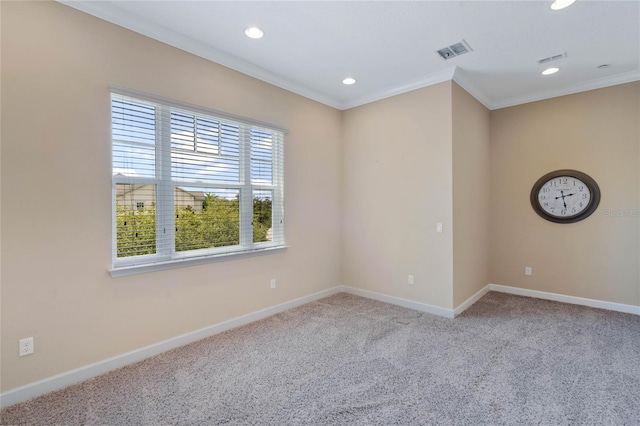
(180, 263)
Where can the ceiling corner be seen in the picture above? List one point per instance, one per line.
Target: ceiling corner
(462, 78)
(429, 80)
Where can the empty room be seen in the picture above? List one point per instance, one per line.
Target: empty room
(320, 212)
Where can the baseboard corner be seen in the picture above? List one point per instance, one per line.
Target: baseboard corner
(470, 301)
(406, 303)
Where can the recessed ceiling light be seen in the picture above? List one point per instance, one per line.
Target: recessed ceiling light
(254, 32)
(550, 71)
(348, 81)
(561, 4)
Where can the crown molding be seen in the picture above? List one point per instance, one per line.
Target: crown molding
(430, 80)
(461, 77)
(106, 11)
(599, 83)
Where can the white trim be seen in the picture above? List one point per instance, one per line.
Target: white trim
(418, 306)
(430, 80)
(108, 11)
(599, 83)
(121, 271)
(463, 80)
(470, 301)
(59, 381)
(601, 304)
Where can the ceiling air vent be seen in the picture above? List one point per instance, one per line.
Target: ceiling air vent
(454, 50)
(552, 58)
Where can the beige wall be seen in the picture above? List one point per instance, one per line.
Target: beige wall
(471, 195)
(396, 185)
(57, 66)
(595, 132)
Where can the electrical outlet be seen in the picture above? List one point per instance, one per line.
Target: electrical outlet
(439, 227)
(410, 280)
(273, 283)
(527, 270)
(26, 346)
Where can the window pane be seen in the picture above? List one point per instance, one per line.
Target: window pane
(133, 160)
(199, 168)
(134, 136)
(229, 139)
(261, 156)
(206, 218)
(133, 121)
(204, 149)
(135, 219)
(207, 135)
(182, 131)
(262, 216)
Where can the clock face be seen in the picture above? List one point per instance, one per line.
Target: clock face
(565, 196)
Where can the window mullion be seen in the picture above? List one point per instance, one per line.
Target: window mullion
(165, 198)
(246, 193)
(278, 192)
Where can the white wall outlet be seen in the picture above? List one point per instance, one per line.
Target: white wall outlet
(273, 283)
(439, 227)
(410, 279)
(26, 346)
(527, 270)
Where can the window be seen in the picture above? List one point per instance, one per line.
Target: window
(191, 186)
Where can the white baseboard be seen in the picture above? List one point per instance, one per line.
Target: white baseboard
(611, 306)
(448, 313)
(59, 381)
(470, 301)
(32, 390)
(422, 307)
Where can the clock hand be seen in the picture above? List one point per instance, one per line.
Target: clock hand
(563, 196)
(563, 199)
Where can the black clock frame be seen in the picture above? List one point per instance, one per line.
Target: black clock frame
(588, 180)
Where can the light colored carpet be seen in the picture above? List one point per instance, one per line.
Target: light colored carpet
(348, 360)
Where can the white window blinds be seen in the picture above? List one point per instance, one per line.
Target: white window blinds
(188, 184)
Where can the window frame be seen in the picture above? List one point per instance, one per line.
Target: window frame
(166, 257)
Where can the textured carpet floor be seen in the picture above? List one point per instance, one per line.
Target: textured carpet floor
(348, 360)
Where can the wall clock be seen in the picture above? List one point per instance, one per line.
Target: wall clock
(565, 196)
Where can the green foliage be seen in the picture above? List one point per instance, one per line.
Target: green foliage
(136, 231)
(262, 211)
(217, 225)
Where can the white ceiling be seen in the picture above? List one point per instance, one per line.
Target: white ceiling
(390, 47)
